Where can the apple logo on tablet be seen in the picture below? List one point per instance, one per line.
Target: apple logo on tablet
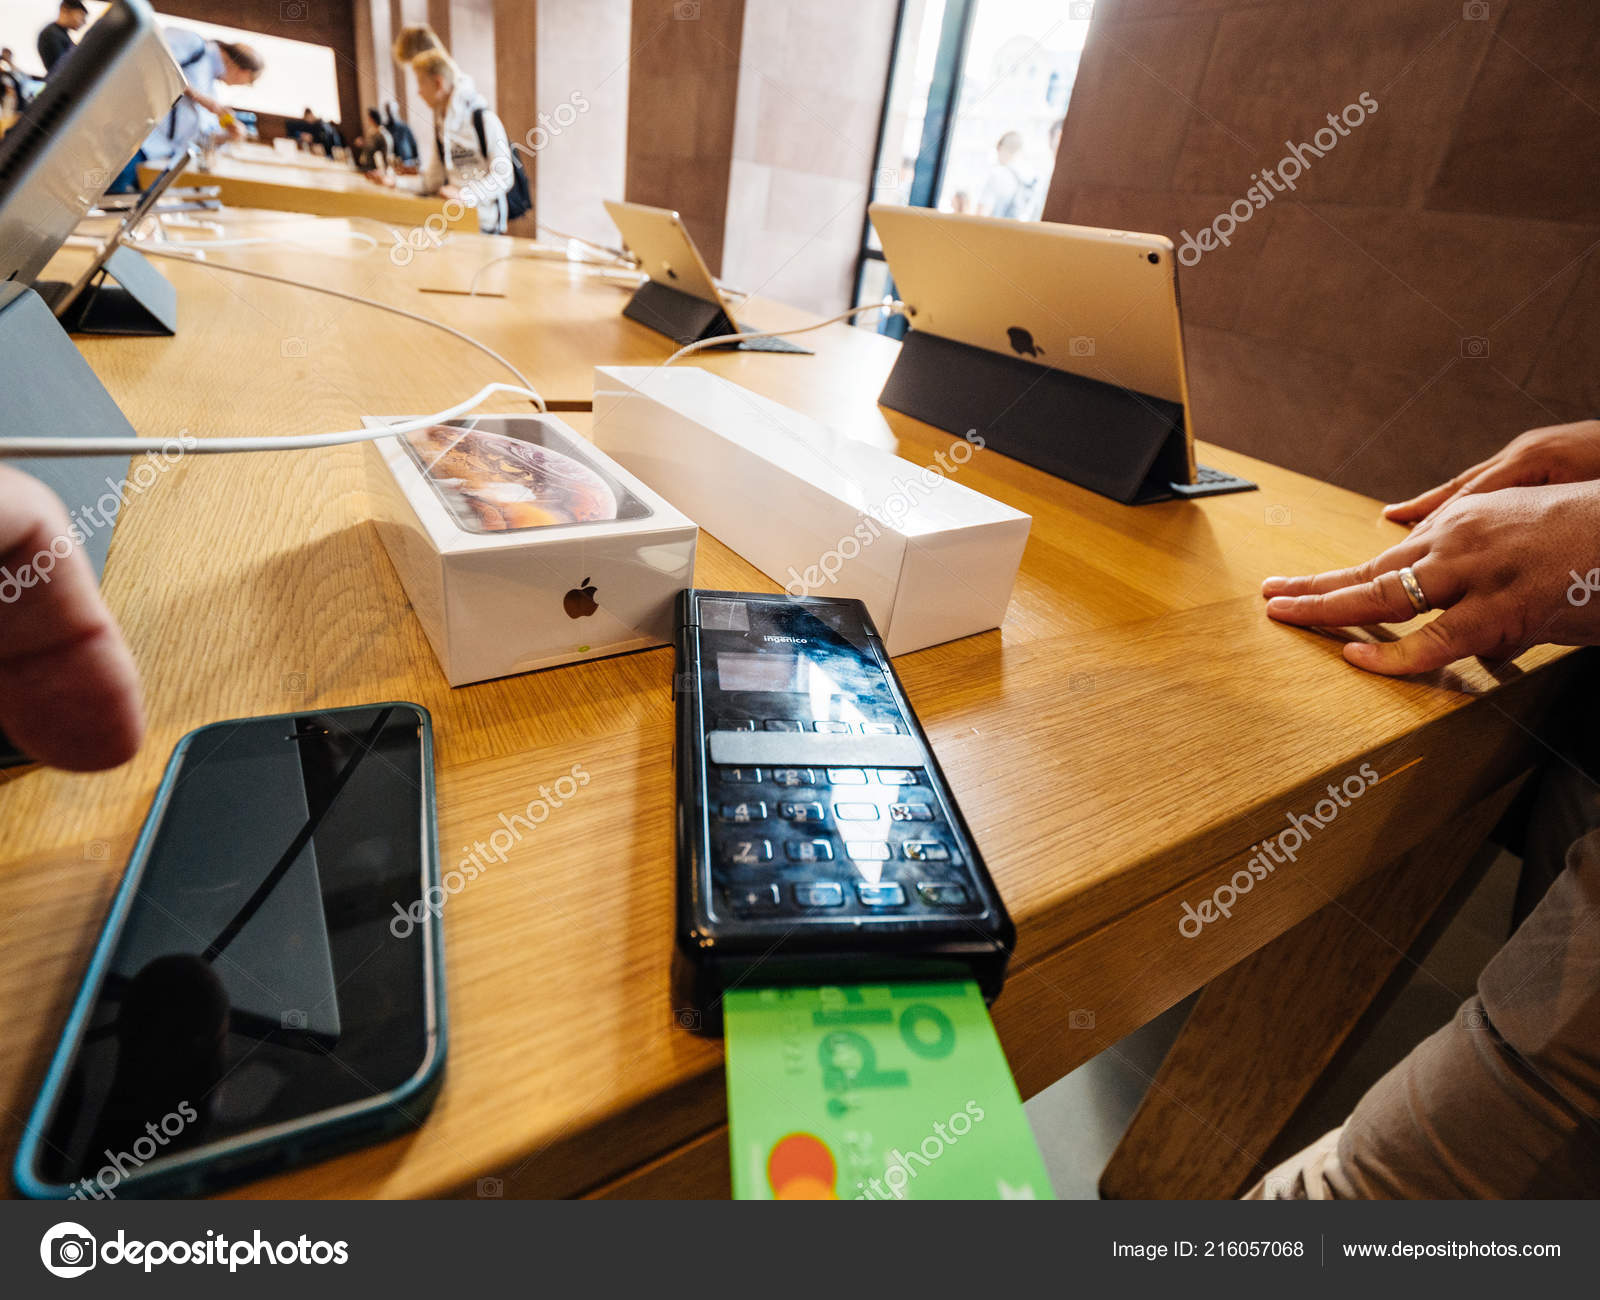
(1022, 342)
(580, 601)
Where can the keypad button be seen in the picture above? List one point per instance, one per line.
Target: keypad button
(910, 812)
(802, 813)
(846, 776)
(925, 851)
(748, 853)
(820, 893)
(740, 775)
(736, 724)
(782, 724)
(856, 812)
(867, 850)
(884, 893)
(880, 728)
(753, 898)
(942, 893)
(809, 851)
(896, 776)
(793, 776)
(832, 728)
(752, 810)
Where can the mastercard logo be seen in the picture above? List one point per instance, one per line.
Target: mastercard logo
(801, 1168)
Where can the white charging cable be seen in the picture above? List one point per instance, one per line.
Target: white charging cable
(360, 236)
(349, 297)
(59, 445)
(889, 306)
(612, 256)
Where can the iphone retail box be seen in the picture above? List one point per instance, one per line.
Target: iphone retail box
(817, 512)
(520, 546)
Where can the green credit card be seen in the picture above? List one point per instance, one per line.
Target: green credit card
(875, 1092)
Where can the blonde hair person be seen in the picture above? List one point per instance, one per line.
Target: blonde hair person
(471, 159)
(415, 40)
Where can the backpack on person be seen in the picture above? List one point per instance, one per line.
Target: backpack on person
(519, 198)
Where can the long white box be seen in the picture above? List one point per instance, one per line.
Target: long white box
(497, 590)
(819, 513)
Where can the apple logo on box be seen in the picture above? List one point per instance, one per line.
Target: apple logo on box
(580, 601)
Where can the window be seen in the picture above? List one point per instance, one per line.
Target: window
(972, 117)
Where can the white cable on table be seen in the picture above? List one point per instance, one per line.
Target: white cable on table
(472, 288)
(256, 240)
(349, 297)
(616, 254)
(190, 446)
(892, 308)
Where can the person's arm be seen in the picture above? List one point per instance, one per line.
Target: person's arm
(69, 691)
(433, 172)
(1511, 569)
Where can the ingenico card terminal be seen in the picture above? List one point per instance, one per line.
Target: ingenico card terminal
(818, 842)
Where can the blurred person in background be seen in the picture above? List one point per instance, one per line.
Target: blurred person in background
(375, 149)
(12, 98)
(405, 142)
(1006, 192)
(472, 158)
(205, 65)
(55, 39)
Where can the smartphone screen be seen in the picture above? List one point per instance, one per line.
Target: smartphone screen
(253, 974)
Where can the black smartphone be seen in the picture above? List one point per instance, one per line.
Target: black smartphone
(268, 988)
(818, 841)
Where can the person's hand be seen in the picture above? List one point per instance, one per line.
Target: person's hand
(449, 192)
(1561, 453)
(1511, 569)
(380, 178)
(235, 130)
(69, 692)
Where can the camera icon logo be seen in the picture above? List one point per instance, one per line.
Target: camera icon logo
(686, 11)
(1081, 347)
(293, 1019)
(686, 1018)
(491, 1189)
(68, 1250)
(294, 11)
(1474, 348)
(1475, 11)
(293, 347)
(1080, 1019)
